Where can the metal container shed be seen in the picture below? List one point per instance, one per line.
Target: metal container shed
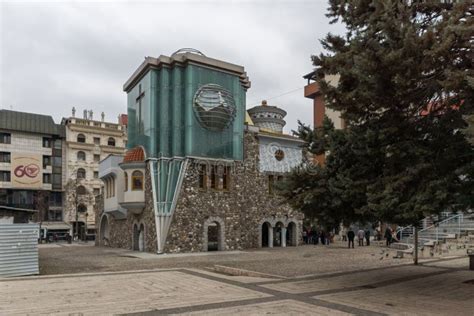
(18, 249)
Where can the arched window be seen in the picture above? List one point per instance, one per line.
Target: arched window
(81, 208)
(125, 178)
(111, 141)
(81, 138)
(81, 190)
(81, 173)
(81, 156)
(137, 180)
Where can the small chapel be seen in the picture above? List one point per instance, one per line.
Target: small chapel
(200, 169)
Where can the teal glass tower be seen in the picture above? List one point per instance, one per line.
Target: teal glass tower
(187, 105)
(181, 107)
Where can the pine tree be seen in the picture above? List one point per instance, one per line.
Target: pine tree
(406, 89)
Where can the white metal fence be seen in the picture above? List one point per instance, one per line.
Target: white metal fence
(18, 249)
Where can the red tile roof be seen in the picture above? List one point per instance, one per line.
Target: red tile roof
(136, 154)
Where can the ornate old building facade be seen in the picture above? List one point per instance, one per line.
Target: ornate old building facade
(88, 141)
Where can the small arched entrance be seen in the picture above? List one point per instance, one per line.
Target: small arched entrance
(104, 231)
(266, 234)
(136, 235)
(291, 235)
(278, 235)
(213, 235)
(141, 238)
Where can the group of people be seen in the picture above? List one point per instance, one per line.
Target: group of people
(314, 237)
(361, 236)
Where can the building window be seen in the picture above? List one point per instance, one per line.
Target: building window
(46, 178)
(5, 138)
(55, 199)
(46, 161)
(55, 216)
(5, 157)
(58, 144)
(81, 138)
(81, 156)
(81, 173)
(213, 178)
(111, 141)
(110, 187)
(81, 208)
(125, 178)
(226, 178)
(4, 176)
(96, 158)
(96, 191)
(96, 174)
(271, 183)
(137, 180)
(81, 190)
(203, 176)
(57, 180)
(47, 142)
(96, 140)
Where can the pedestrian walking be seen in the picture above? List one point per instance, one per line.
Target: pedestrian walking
(388, 235)
(344, 234)
(360, 236)
(322, 235)
(367, 237)
(305, 236)
(350, 237)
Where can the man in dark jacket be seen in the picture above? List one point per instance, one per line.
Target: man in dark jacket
(388, 235)
(367, 237)
(350, 237)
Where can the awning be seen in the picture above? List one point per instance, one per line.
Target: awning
(17, 209)
(55, 225)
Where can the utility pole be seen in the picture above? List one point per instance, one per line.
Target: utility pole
(415, 259)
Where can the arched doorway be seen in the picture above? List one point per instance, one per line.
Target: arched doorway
(213, 234)
(291, 235)
(136, 235)
(278, 235)
(266, 234)
(141, 238)
(213, 237)
(104, 231)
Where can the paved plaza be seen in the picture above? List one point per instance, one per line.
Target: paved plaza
(440, 287)
(316, 281)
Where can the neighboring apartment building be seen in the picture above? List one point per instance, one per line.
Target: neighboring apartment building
(88, 141)
(31, 170)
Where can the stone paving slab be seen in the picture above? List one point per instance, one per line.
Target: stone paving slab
(443, 294)
(351, 280)
(458, 263)
(283, 307)
(115, 293)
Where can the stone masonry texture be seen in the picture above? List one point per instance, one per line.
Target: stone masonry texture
(240, 211)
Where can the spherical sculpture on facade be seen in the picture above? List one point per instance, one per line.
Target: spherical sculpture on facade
(214, 107)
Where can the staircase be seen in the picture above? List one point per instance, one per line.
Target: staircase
(444, 235)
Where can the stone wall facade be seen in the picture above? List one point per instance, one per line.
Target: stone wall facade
(239, 212)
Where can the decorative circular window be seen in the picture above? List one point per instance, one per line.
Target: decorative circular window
(214, 107)
(279, 155)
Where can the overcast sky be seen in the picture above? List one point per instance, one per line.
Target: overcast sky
(58, 55)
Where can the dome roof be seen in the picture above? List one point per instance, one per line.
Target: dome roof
(136, 154)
